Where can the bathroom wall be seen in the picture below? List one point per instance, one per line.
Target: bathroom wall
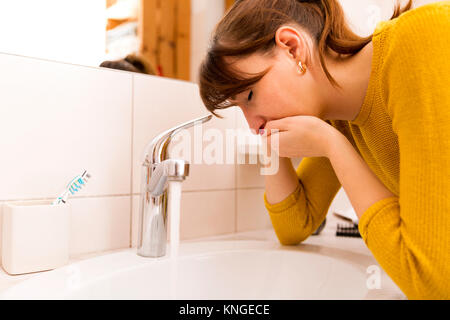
(58, 119)
(208, 199)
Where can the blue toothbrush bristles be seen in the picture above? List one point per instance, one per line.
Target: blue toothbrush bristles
(74, 186)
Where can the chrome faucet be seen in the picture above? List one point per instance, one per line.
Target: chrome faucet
(157, 169)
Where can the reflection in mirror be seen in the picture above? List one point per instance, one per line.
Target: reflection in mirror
(164, 31)
(168, 37)
(132, 62)
(162, 37)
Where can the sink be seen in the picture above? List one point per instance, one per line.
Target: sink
(233, 269)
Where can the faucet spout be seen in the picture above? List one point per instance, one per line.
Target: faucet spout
(157, 170)
(170, 169)
(156, 150)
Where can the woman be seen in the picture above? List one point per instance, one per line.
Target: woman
(370, 114)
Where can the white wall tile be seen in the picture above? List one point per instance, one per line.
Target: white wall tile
(1, 226)
(134, 219)
(207, 213)
(249, 176)
(340, 202)
(251, 212)
(99, 223)
(253, 215)
(203, 213)
(57, 119)
(248, 173)
(218, 175)
(160, 104)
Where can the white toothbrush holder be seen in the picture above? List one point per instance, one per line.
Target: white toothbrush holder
(35, 236)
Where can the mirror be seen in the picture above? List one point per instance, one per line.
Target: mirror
(161, 37)
(168, 38)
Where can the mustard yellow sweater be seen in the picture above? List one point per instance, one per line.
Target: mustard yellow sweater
(403, 134)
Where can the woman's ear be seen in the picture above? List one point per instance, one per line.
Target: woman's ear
(291, 41)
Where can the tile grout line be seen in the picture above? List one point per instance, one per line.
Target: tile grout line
(73, 197)
(235, 201)
(217, 190)
(132, 163)
(126, 194)
(235, 182)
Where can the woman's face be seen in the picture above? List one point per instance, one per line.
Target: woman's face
(282, 92)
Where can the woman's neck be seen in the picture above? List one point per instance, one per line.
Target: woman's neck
(353, 75)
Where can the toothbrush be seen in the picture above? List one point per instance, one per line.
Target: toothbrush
(74, 186)
(348, 214)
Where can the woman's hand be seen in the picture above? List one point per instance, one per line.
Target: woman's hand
(300, 136)
(307, 136)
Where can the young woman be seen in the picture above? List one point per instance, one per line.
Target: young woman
(370, 114)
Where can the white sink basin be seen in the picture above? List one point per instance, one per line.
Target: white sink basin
(204, 270)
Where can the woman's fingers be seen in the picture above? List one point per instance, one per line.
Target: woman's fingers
(276, 126)
(272, 141)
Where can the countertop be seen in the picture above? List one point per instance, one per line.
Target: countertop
(348, 248)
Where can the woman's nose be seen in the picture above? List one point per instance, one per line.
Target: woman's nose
(254, 122)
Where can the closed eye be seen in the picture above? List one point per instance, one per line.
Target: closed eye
(250, 95)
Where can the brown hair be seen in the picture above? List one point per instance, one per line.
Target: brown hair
(250, 26)
(132, 62)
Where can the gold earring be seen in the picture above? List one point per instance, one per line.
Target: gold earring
(302, 67)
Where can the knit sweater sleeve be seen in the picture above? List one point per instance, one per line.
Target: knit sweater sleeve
(409, 235)
(296, 217)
